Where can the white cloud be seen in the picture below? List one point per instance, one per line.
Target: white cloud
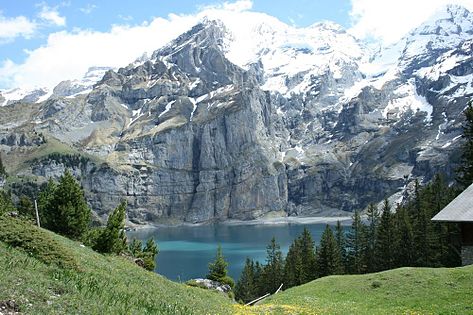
(68, 55)
(51, 15)
(11, 28)
(88, 8)
(390, 20)
(237, 6)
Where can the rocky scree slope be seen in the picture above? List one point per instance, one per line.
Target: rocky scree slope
(215, 126)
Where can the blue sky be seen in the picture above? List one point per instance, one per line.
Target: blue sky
(45, 41)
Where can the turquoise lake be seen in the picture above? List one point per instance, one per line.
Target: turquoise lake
(185, 251)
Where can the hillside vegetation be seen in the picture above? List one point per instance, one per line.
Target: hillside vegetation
(48, 274)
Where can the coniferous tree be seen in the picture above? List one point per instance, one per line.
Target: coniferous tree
(328, 255)
(404, 239)
(307, 246)
(421, 223)
(273, 272)
(258, 280)
(385, 239)
(465, 172)
(293, 265)
(64, 208)
(245, 289)
(371, 237)
(340, 238)
(150, 252)
(218, 269)
(6, 204)
(113, 238)
(356, 246)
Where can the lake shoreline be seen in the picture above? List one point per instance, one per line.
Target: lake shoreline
(344, 220)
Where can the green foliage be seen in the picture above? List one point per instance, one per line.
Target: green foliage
(218, 268)
(300, 265)
(273, 272)
(371, 237)
(113, 238)
(63, 207)
(356, 246)
(328, 255)
(340, 238)
(36, 242)
(246, 288)
(385, 239)
(6, 204)
(26, 207)
(148, 253)
(3, 172)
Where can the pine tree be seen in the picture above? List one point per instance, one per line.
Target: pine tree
(113, 238)
(328, 255)
(149, 254)
(64, 208)
(340, 238)
(385, 236)
(273, 272)
(421, 222)
(404, 239)
(371, 237)
(307, 246)
(218, 269)
(6, 204)
(293, 267)
(355, 246)
(245, 289)
(465, 172)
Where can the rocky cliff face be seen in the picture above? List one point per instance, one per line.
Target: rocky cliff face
(302, 122)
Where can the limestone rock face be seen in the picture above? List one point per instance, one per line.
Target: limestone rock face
(197, 133)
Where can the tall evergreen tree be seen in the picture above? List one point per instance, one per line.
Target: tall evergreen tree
(340, 238)
(65, 211)
(385, 239)
(356, 246)
(113, 238)
(26, 207)
(307, 246)
(404, 239)
(245, 289)
(371, 237)
(328, 255)
(465, 172)
(293, 267)
(273, 272)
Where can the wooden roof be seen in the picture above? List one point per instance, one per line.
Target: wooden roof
(459, 210)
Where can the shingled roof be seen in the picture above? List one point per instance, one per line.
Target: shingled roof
(459, 210)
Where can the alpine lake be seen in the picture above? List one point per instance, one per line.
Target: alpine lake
(186, 250)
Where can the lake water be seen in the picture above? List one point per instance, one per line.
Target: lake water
(185, 251)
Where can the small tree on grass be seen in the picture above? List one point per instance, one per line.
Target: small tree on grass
(64, 209)
(113, 238)
(147, 254)
(218, 269)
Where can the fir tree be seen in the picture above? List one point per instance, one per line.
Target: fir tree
(113, 238)
(356, 246)
(273, 272)
(6, 204)
(64, 208)
(328, 255)
(293, 267)
(371, 237)
(245, 289)
(404, 239)
(218, 269)
(149, 254)
(307, 256)
(465, 172)
(341, 243)
(385, 239)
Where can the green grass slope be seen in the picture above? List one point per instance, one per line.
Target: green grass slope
(398, 291)
(48, 274)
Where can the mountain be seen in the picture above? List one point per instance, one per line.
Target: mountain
(233, 121)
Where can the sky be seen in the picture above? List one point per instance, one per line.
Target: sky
(45, 42)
